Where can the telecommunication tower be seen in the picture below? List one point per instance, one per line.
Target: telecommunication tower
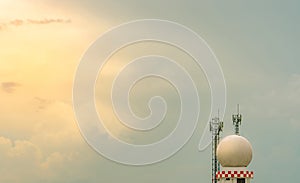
(216, 126)
(234, 153)
(237, 119)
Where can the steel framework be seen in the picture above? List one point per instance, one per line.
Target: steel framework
(216, 126)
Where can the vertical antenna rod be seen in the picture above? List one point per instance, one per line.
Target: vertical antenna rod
(237, 120)
(216, 126)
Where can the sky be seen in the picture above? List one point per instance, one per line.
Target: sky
(42, 42)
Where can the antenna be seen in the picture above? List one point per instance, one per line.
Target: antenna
(237, 120)
(216, 126)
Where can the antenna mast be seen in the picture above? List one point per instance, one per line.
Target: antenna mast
(216, 126)
(237, 119)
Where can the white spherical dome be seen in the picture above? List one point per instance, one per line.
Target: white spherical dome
(234, 151)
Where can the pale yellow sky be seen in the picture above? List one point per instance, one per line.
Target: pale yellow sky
(38, 59)
(41, 47)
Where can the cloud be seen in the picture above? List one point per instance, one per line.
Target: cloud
(27, 160)
(9, 87)
(53, 147)
(17, 22)
(48, 21)
(21, 22)
(21, 154)
(42, 103)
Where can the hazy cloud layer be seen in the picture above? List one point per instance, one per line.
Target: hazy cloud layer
(20, 22)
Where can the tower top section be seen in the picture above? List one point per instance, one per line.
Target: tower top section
(237, 120)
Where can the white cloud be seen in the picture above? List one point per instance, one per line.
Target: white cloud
(19, 157)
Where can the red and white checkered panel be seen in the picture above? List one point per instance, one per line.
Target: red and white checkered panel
(234, 174)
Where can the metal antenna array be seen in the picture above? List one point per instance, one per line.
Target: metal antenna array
(216, 126)
(237, 119)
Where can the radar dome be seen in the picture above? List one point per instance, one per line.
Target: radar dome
(234, 151)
